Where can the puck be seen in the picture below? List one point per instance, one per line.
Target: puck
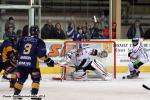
(123, 77)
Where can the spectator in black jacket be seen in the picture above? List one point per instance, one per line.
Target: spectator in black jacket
(135, 30)
(47, 30)
(147, 34)
(10, 22)
(95, 32)
(9, 32)
(58, 32)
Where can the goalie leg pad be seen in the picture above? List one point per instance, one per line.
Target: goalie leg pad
(103, 77)
(100, 70)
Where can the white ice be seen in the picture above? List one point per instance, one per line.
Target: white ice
(116, 89)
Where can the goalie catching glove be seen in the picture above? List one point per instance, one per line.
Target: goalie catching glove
(49, 62)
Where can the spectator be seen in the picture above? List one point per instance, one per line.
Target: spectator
(25, 30)
(89, 32)
(114, 25)
(58, 32)
(85, 24)
(95, 31)
(78, 36)
(71, 30)
(135, 30)
(106, 31)
(102, 21)
(147, 34)
(9, 22)
(47, 30)
(9, 32)
(85, 32)
(19, 34)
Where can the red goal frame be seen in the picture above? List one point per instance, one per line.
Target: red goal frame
(93, 41)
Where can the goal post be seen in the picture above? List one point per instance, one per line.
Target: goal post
(101, 45)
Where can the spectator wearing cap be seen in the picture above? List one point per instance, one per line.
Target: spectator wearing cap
(10, 22)
(135, 30)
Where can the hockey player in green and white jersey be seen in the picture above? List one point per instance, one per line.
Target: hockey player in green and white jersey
(138, 57)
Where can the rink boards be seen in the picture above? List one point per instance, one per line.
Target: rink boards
(122, 48)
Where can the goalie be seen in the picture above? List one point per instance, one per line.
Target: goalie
(82, 59)
(138, 57)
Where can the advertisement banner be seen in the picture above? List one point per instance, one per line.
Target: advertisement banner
(122, 49)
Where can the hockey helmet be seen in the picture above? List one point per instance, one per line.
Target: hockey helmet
(34, 30)
(135, 41)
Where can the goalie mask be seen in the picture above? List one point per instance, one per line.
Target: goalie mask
(135, 41)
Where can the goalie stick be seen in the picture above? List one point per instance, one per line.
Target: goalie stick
(61, 63)
(146, 87)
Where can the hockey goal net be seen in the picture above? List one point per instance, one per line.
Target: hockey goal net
(109, 62)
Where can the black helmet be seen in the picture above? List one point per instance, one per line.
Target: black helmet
(135, 41)
(34, 30)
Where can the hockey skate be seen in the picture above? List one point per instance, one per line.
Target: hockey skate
(34, 97)
(133, 75)
(5, 77)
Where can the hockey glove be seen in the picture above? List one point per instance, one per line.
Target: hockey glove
(49, 62)
(12, 56)
(129, 54)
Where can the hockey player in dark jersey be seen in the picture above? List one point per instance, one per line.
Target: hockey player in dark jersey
(8, 59)
(31, 50)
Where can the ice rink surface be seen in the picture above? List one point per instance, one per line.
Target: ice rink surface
(91, 89)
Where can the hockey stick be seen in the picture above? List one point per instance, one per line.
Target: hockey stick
(146, 87)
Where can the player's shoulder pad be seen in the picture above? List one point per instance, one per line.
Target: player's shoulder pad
(41, 41)
(7, 43)
(20, 40)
